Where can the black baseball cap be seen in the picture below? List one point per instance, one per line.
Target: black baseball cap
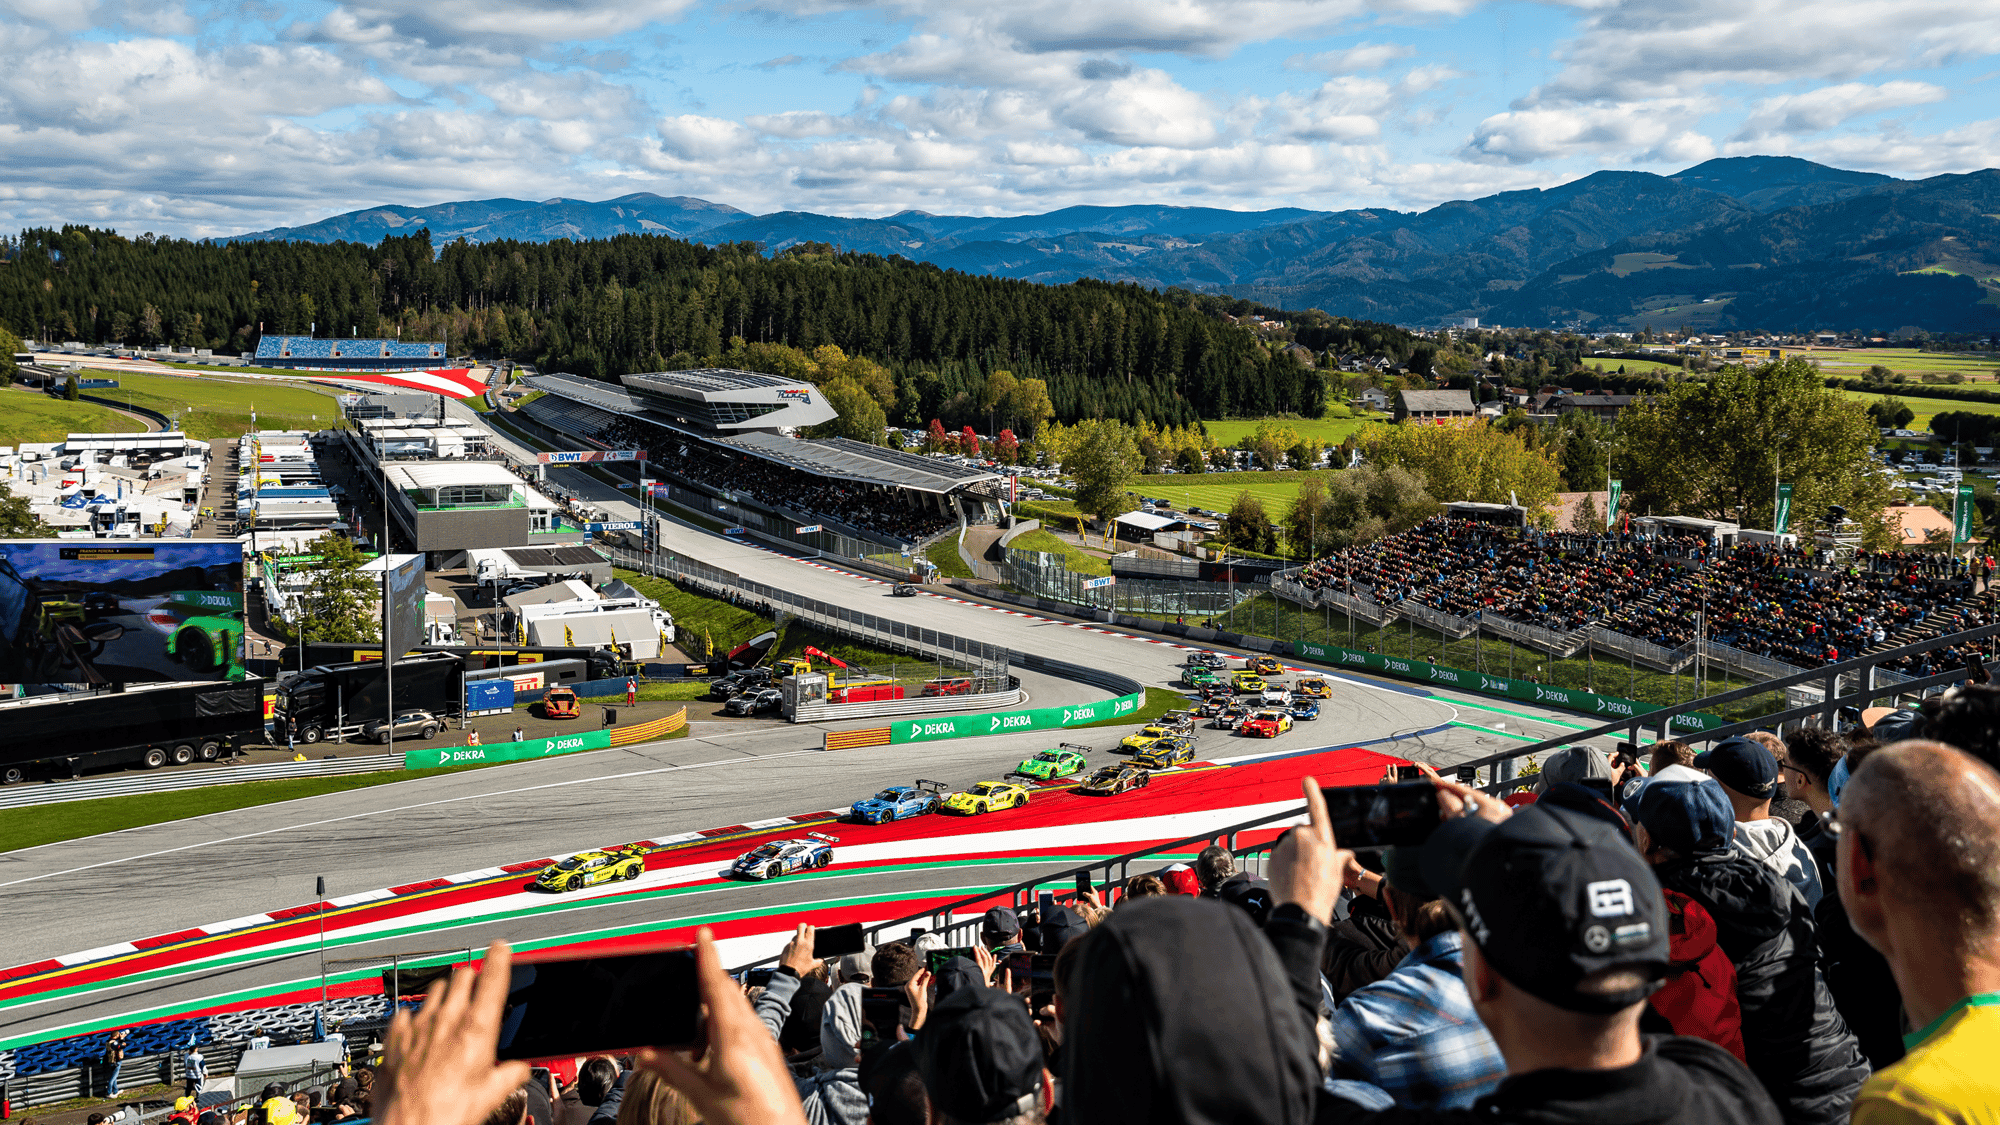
(1742, 764)
(999, 922)
(1551, 896)
(980, 1057)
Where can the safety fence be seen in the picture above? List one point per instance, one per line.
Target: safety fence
(125, 785)
(1043, 574)
(822, 712)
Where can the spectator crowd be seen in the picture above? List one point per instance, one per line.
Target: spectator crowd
(1777, 602)
(1802, 930)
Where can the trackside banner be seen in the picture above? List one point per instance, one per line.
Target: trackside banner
(1003, 722)
(432, 757)
(1527, 691)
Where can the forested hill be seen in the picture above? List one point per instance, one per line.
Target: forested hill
(643, 302)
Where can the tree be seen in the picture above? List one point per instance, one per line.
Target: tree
(935, 439)
(1477, 462)
(72, 390)
(1303, 454)
(1716, 448)
(1247, 525)
(1006, 447)
(860, 417)
(1355, 507)
(1586, 518)
(1102, 458)
(9, 344)
(1890, 413)
(17, 521)
(968, 442)
(1190, 460)
(339, 601)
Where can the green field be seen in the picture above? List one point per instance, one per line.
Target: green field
(1903, 361)
(1329, 431)
(209, 406)
(1217, 491)
(1078, 559)
(1631, 366)
(30, 415)
(708, 625)
(1928, 408)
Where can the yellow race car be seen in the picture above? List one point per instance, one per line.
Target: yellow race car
(1247, 681)
(987, 796)
(1165, 753)
(1313, 686)
(1145, 736)
(1265, 665)
(586, 869)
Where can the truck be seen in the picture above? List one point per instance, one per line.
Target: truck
(335, 700)
(150, 725)
(858, 686)
(637, 627)
(600, 663)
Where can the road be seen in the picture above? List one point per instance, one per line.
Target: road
(84, 893)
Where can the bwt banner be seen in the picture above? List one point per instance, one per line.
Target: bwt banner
(1003, 722)
(586, 456)
(1527, 691)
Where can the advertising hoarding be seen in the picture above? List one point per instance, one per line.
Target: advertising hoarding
(103, 611)
(590, 456)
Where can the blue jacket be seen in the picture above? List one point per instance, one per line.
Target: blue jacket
(1414, 1034)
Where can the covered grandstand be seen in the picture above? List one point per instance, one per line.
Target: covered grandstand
(726, 435)
(308, 353)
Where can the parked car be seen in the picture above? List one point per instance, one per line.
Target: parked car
(412, 723)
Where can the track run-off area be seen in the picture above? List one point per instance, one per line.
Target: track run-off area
(216, 912)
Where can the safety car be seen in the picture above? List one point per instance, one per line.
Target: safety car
(782, 857)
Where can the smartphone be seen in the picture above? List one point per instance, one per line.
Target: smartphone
(539, 1077)
(881, 1011)
(1409, 773)
(1043, 902)
(1083, 884)
(839, 941)
(567, 1006)
(1020, 966)
(1369, 816)
(936, 959)
(757, 978)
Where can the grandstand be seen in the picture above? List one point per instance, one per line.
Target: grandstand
(307, 353)
(1661, 586)
(730, 436)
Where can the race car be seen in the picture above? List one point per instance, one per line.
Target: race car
(1198, 678)
(1304, 709)
(1207, 660)
(782, 857)
(1265, 724)
(1211, 707)
(1115, 779)
(1275, 695)
(1180, 722)
(1231, 715)
(987, 796)
(1247, 682)
(1265, 665)
(1166, 752)
(1051, 764)
(589, 868)
(560, 703)
(1145, 736)
(210, 645)
(1314, 686)
(898, 802)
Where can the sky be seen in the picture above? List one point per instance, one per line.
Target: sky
(195, 119)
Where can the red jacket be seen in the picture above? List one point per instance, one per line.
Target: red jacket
(1699, 996)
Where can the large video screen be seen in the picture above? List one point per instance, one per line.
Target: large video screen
(405, 616)
(106, 611)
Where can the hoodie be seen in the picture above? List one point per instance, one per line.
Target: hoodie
(833, 1095)
(1773, 843)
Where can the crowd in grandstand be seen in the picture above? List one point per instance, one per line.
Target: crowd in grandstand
(1802, 930)
(1780, 602)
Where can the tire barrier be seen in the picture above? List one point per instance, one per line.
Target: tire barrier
(648, 731)
(855, 739)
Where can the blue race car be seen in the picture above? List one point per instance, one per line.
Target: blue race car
(1303, 708)
(899, 801)
(782, 857)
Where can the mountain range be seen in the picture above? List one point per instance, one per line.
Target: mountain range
(1735, 243)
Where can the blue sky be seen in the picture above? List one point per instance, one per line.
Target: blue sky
(191, 118)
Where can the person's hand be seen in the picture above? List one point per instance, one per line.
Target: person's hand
(439, 1068)
(798, 955)
(983, 957)
(1306, 865)
(1453, 800)
(741, 1078)
(1357, 878)
(917, 991)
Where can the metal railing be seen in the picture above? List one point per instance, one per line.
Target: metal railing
(1748, 663)
(1450, 624)
(25, 796)
(1534, 636)
(1645, 652)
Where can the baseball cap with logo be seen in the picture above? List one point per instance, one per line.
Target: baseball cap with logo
(1551, 896)
(1742, 764)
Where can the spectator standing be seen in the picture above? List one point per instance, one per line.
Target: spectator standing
(114, 1057)
(1920, 873)
(194, 1065)
(259, 1041)
(1748, 771)
(1414, 1033)
(1793, 1036)
(1000, 932)
(981, 1061)
(1856, 973)
(650, 1101)
(1366, 945)
(594, 1079)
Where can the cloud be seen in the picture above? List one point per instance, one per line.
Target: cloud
(1818, 110)
(1361, 56)
(514, 24)
(1547, 132)
(693, 137)
(781, 62)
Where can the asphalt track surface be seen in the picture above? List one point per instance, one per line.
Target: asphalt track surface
(80, 894)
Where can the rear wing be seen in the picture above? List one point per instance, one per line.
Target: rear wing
(1078, 747)
(824, 837)
(923, 786)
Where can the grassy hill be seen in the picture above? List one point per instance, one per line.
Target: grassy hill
(30, 415)
(212, 406)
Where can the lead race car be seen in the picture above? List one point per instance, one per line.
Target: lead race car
(782, 857)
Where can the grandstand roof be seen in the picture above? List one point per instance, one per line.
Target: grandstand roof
(592, 392)
(843, 459)
(736, 401)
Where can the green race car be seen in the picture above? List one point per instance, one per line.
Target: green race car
(1198, 678)
(1051, 764)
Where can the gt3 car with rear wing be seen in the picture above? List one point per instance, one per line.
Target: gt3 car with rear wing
(782, 857)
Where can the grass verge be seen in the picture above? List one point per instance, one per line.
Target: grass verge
(944, 555)
(30, 415)
(1077, 559)
(1158, 702)
(1327, 431)
(708, 625)
(211, 406)
(46, 824)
